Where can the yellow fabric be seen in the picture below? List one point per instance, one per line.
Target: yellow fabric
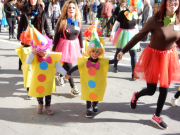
(85, 43)
(99, 78)
(22, 53)
(49, 83)
(179, 88)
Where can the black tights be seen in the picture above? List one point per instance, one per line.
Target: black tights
(150, 90)
(11, 22)
(88, 103)
(67, 67)
(177, 94)
(133, 54)
(47, 100)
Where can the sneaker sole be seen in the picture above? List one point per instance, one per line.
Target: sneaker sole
(88, 116)
(75, 95)
(130, 106)
(153, 121)
(173, 104)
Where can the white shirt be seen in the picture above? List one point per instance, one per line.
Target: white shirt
(55, 7)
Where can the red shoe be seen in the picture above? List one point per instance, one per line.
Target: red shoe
(159, 121)
(133, 102)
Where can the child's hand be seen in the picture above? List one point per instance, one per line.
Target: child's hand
(111, 38)
(34, 51)
(119, 56)
(67, 76)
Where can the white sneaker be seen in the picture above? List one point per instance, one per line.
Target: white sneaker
(29, 97)
(60, 80)
(75, 91)
(174, 101)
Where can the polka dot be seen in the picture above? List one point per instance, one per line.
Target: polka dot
(40, 89)
(91, 71)
(38, 37)
(93, 37)
(92, 44)
(98, 25)
(42, 43)
(41, 77)
(43, 65)
(93, 96)
(34, 43)
(27, 30)
(91, 84)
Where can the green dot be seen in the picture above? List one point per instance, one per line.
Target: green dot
(29, 21)
(32, 26)
(93, 37)
(34, 42)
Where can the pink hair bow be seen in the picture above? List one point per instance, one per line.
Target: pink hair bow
(96, 65)
(48, 59)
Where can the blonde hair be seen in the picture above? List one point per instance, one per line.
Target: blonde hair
(64, 16)
(89, 50)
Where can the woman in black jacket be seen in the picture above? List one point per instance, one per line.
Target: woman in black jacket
(10, 9)
(122, 6)
(100, 9)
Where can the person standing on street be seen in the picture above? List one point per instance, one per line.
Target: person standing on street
(10, 9)
(1, 13)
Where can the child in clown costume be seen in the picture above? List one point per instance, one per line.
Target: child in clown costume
(43, 63)
(127, 20)
(92, 86)
(22, 52)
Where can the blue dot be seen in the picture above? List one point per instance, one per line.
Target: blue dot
(26, 29)
(38, 37)
(43, 65)
(91, 84)
(98, 25)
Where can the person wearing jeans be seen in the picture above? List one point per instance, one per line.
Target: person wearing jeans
(94, 5)
(11, 10)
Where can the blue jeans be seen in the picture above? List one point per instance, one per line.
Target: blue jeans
(87, 17)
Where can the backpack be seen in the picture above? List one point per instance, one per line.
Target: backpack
(55, 15)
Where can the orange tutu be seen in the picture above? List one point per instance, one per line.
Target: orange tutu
(158, 66)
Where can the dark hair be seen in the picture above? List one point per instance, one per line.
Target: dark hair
(162, 11)
(53, 2)
(38, 25)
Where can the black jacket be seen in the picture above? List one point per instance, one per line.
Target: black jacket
(117, 11)
(99, 10)
(23, 23)
(9, 9)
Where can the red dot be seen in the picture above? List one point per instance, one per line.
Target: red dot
(91, 71)
(41, 77)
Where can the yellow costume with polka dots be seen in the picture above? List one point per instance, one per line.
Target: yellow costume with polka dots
(22, 53)
(42, 81)
(93, 78)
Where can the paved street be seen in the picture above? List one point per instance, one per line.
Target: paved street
(18, 115)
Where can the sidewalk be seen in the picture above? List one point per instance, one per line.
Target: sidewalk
(18, 115)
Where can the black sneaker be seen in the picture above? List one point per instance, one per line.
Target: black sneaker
(115, 70)
(89, 113)
(14, 37)
(159, 121)
(95, 108)
(133, 102)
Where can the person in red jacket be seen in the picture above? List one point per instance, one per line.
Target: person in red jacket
(106, 13)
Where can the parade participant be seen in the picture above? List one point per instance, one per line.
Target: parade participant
(32, 11)
(68, 39)
(10, 9)
(159, 61)
(43, 63)
(22, 52)
(93, 73)
(127, 19)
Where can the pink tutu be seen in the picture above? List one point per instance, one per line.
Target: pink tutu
(70, 50)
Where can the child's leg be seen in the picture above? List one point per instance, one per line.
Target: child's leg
(115, 57)
(89, 110)
(40, 105)
(95, 107)
(20, 64)
(174, 99)
(177, 94)
(47, 105)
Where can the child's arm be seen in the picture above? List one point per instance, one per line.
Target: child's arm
(68, 75)
(31, 55)
(60, 69)
(113, 61)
